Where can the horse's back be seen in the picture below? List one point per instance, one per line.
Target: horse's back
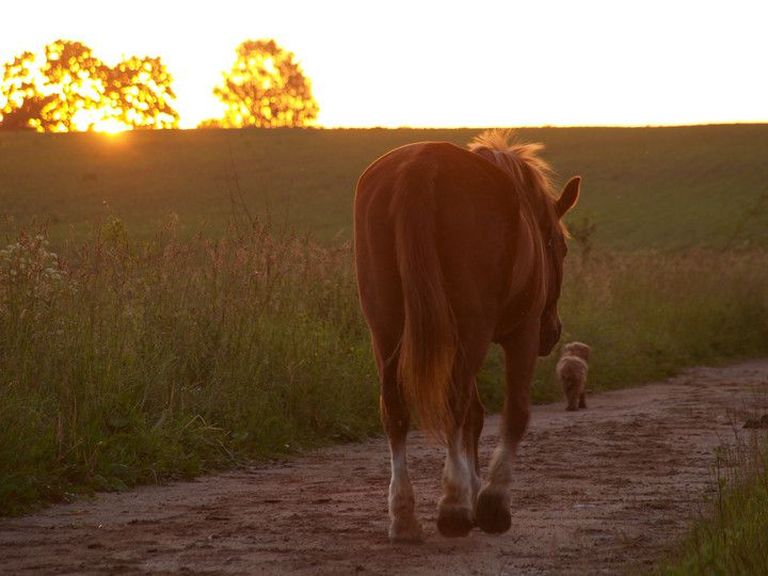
(458, 176)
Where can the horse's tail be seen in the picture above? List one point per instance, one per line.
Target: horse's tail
(430, 341)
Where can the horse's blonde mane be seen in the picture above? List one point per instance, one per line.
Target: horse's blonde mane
(532, 177)
(531, 173)
(521, 160)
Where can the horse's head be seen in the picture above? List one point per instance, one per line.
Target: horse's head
(555, 249)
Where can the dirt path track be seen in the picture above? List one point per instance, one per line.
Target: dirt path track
(596, 492)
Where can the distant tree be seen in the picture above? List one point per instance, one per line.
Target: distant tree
(264, 88)
(140, 89)
(20, 97)
(71, 89)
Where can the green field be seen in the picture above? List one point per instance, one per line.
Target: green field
(157, 346)
(643, 187)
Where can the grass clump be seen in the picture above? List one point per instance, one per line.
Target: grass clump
(732, 539)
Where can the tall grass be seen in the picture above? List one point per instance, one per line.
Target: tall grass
(126, 361)
(732, 538)
(130, 362)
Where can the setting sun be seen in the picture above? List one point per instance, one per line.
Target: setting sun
(98, 120)
(110, 126)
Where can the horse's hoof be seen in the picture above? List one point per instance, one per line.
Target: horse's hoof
(493, 513)
(454, 521)
(406, 532)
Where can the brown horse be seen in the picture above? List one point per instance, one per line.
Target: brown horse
(456, 249)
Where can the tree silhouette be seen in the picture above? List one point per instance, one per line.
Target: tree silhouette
(140, 88)
(19, 94)
(264, 88)
(71, 89)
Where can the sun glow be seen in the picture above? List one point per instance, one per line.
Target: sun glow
(110, 126)
(98, 120)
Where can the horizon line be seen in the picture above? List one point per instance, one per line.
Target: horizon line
(487, 126)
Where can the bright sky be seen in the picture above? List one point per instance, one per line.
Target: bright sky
(445, 63)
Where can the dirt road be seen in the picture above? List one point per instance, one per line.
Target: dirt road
(600, 491)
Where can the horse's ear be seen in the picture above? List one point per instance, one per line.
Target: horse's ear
(569, 196)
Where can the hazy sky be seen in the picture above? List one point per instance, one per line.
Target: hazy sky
(446, 63)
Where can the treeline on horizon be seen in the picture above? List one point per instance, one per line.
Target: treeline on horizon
(69, 88)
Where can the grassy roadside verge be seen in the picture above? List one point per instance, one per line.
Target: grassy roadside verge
(125, 362)
(649, 314)
(136, 361)
(732, 539)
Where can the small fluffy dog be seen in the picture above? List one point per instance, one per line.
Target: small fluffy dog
(572, 371)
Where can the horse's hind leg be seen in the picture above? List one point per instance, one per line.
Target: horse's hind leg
(403, 526)
(492, 512)
(461, 480)
(456, 507)
(473, 427)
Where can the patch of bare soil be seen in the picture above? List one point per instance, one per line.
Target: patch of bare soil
(600, 491)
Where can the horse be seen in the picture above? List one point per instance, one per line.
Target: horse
(455, 249)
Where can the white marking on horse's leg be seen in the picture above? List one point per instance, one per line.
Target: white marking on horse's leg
(472, 431)
(456, 474)
(511, 432)
(456, 507)
(474, 478)
(492, 510)
(500, 469)
(404, 526)
(401, 500)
